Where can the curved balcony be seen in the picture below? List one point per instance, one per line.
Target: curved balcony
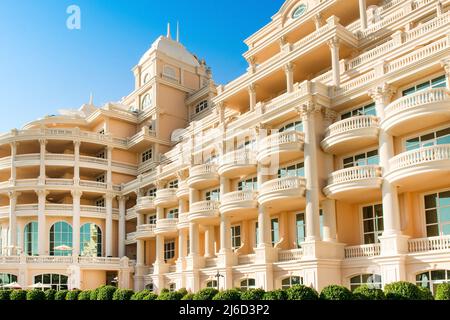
(417, 111)
(166, 198)
(240, 203)
(238, 163)
(283, 146)
(166, 226)
(131, 238)
(354, 184)
(183, 190)
(145, 231)
(58, 210)
(351, 134)
(204, 211)
(203, 176)
(422, 168)
(283, 194)
(145, 204)
(183, 221)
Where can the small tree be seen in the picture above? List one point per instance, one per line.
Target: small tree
(279, 294)
(366, 292)
(4, 295)
(443, 291)
(38, 295)
(50, 294)
(61, 295)
(140, 295)
(167, 295)
(18, 295)
(85, 295)
(402, 290)
(94, 293)
(205, 294)
(123, 294)
(301, 292)
(189, 296)
(253, 294)
(73, 294)
(150, 297)
(334, 292)
(228, 295)
(106, 293)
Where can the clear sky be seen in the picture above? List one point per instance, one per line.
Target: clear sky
(44, 66)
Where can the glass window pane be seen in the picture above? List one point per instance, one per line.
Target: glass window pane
(368, 212)
(432, 231)
(430, 201)
(431, 216)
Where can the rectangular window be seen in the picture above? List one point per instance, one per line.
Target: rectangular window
(248, 185)
(437, 214)
(275, 230)
(368, 110)
(430, 139)
(256, 234)
(363, 159)
(372, 223)
(212, 195)
(172, 184)
(296, 170)
(439, 82)
(294, 126)
(151, 192)
(147, 155)
(301, 227)
(102, 131)
(247, 144)
(100, 203)
(201, 106)
(152, 219)
(169, 250)
(236, 237)
(100, 178)
(101, 155)
(172, 213)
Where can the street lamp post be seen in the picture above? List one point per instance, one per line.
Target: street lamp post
(218, 276)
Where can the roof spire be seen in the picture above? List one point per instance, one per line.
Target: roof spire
(178, 31)
(168, 30)
(91, 99)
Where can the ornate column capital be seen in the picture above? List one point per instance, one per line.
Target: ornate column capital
(251, 88)
(282, 41)
(318, 20)
(42, 192)
(108, 196)
(334, 43)
(43, 141)
(13, 195)
(160, 184)
(123, 198)
(382, 92)
(308, 109)
(76, 193)
(182, 175)
(329, 115)
(289, 67)
(445, 63)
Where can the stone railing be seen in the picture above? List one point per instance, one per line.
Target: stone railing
(290, 255)
(280, 138)
(246, 259)
(204, 206)
(419, 156)
(166, 193)
(166, 223)
(353, 123)
(146, 228)
(59, 182)
(9, 259)
(98, 260)
(94, 160)
(284, 183)
(131, 236)
(355, 174)
(417, 99)
(203, 169)
(50, 259)
(239, 157)
(28, 157)
(238, 196)
(93, 184)
(367, 250)
(145, 201)
(429, 244)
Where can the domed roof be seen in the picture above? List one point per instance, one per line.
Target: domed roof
(172, 49)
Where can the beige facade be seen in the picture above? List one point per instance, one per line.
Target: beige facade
(327, 162)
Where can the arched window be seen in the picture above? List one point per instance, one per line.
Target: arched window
(248, 284)
(146, 78)
(61, 239)
(56, 281)
(291, 281)
(211, 284)
(90, 240)
(7, 278)
(372, 280)
(431, 279)
(31, 239)
(146, 101)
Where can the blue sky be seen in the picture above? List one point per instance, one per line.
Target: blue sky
(45, 67)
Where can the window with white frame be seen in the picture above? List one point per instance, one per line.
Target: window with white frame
(368, 110)
(236, 237)
(212, 159)
(211, 284)
(172, 184)
(301, 227)
(101, 154)
(373, 227)
(372, 280)
(248, 284)
(100, 178)
(151, 192)
(100, 203)
(146, 101)
(437, 214)
(7, 278)
(248, 184)
(201, 106)
(431, 279)
(172, 213)
(439, 82)
(247, 144)
(212, 195)
(275, 230)
(172, 287)
(293, 126)
(430, 139)
(362, 159)
(291, 281)
(169, 250)
(147, 155)
(295, 170)
(57, 282)
(152, 219)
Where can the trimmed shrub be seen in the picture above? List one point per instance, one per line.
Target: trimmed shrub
(94, 293)
(85, 295)
(61, 295)
(402, 290)
(150, 297)
(106, 293)
(334, 292)
(4, 295)
(425, 293)
(443, 291)
(183, 292)
(253, 294)
(165, 290)
(36, 295)
(301, 292)
(228, 295)
(123, 294)
(206, 294)
(279, 294)
(18, 295)
(189, 296)
(50, 294)
(73, 294)
(140, 295)
(175, 295)
(366, 292)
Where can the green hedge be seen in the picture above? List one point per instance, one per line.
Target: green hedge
(279, 294)
(366, 292)
(73, 295)
(167, 295)
(18, 295)
(335, 292)
(61, 295)
(253, 294)
(205, 294)
(150, 297)
(189, 296)
(94, 293)
(140, 295)
(4, 295)
(228, 295)
(106, 293)
(50, 294)
(443, 291)
(85, 295)
(425, 293)
(36, 294)
(301, 292)
(402, 290)
(123, 294)
(183, 292)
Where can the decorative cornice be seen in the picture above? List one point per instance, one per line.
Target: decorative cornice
(382, 92)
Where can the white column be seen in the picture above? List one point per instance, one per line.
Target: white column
(289, 71)
(122, 222)
(109, 225)
(182, 252)
(159, 249)
(109, 172)
(312, 212)
(225, 234)
(76, 167)
(335, 64)
(193, 239)
(13, 159)
(318, 21)
(140, 253)
(12, 236)
(446, 65)
(76, 201)
(42, 174)
(252, 96)
(209, 242)
(363, 14)
(329, 220)
(42, 234)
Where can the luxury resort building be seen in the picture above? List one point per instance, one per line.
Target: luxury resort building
(326, 162)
